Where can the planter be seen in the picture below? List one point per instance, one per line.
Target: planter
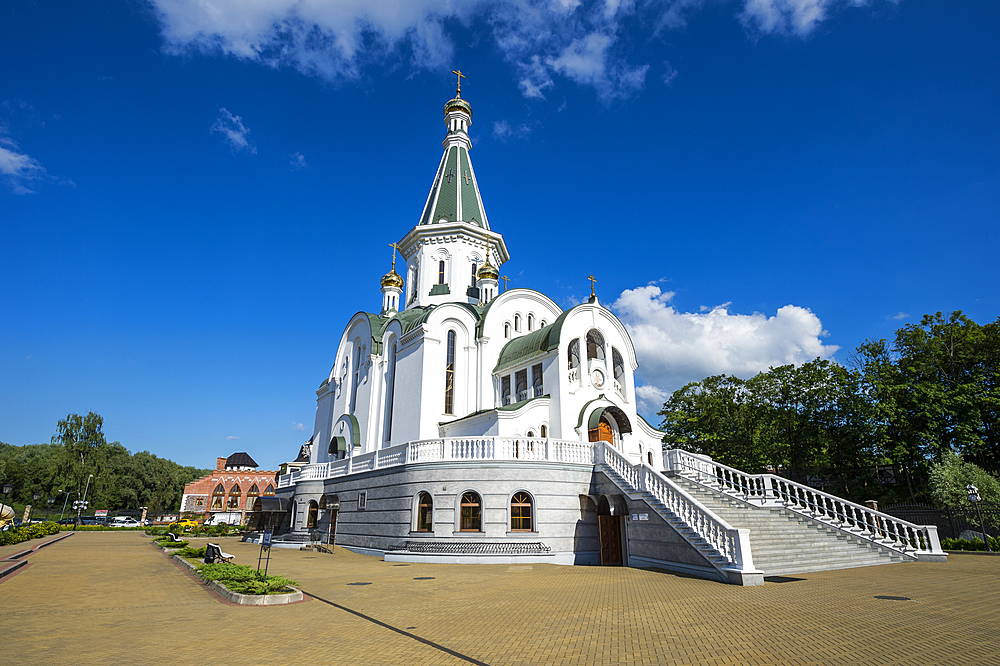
(247, 599)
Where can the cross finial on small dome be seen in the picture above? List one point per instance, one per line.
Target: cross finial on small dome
(458, 90)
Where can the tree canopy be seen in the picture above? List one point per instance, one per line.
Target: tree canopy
(121, 481)
(933, 391)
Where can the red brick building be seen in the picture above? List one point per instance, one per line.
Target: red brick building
(232, 488)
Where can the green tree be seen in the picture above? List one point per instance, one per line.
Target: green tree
(949, 477)
(81, 437)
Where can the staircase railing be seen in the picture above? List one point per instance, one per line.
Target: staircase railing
(769, 489)
(731, 543)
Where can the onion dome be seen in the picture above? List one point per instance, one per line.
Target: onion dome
(487, 272)
(458, 104)
(392, 279)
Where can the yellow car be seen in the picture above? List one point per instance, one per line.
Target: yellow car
(187, 523)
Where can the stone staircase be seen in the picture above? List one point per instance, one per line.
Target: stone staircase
(783, 542)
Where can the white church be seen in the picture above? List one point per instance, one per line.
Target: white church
(468, 423)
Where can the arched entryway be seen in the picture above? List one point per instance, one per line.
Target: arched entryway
(313, 516)
(608, 424)
(610, 519)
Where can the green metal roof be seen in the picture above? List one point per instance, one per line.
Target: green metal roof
(533, 344)
(467, 184)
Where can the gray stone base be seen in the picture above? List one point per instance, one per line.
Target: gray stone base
(535, 558)
(928, 557)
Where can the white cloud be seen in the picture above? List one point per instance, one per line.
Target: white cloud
(669, 73)
(17, 168)
(901, 315)
(232, 437)
(503, 130)
(298, 426)
(233, 130)
(675, 348)
(337, 39)
(789, 17)
(298, 161)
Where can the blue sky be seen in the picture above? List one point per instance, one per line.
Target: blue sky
(193, 202)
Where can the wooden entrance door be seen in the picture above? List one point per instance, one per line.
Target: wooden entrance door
(611, 540)
(602, 433)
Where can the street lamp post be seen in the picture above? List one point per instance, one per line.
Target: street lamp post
(975, 498)
(50, 501)
(62, 514)
(35, 499)
(81, 504)
(6, 493)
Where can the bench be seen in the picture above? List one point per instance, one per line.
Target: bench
(214, 554)
(174, 538)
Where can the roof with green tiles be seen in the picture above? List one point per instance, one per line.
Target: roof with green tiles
(523, 349)
(409, 319)
(455, 195)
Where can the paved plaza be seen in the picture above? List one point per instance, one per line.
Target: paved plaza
(107, 597)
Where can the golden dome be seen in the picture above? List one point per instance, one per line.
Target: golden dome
(487, 272)
(392, 279)
(458, 104)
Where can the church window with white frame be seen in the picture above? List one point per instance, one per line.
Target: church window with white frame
(574, 354)
(470, 513)
(449, 375)
(521, 518)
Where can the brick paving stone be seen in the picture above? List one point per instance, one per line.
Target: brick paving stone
(103, 596)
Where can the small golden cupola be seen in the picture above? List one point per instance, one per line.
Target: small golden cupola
(487, 278)
(392, 286)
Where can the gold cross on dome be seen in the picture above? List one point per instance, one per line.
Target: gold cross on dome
(592, 281)
(394, 247)
(505, 281)
(458, 72)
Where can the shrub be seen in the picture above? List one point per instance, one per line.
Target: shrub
(26, 532)
(949, 478)
(243, 579)
(171, 544)
(188, 551)
(970, 544)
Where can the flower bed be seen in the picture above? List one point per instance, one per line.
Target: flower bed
(26, 532)
(238, 583)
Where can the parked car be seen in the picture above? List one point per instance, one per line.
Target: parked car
(188, 523)
(124, 521)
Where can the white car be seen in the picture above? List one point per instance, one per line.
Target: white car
(118, 521)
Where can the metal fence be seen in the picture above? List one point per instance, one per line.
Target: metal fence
(950, 521)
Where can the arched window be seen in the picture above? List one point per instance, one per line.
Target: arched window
(252, 495)
(574, 354)
(536, 380)
(425, 513)
(619, 365)
(471, 516)
(544, 430)
(521, 385)
(505, 390)
(269, 491)
(520, 512)
(595, 345)
(531, 321)
(357, 377)
(389, 391)
(473, 274)
(441, 272)
(234, 497)
(517, 323)
(449, 376)
(506, 330)
(218, 497)
(542, 324)
(313, 515)
(649, 454)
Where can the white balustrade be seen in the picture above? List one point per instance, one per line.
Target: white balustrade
(363, 463)
(722, 536)
(574, 374)
(284, 480)
(522, 395)
(772, 489)
(392, 456)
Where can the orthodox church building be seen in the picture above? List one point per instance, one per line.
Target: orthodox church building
(463, 422)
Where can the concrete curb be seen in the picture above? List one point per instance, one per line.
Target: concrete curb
(247, 599)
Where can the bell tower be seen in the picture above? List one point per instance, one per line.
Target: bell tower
(448, 246)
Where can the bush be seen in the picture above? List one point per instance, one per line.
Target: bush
(26, 532)
(171, 544)
(967, 544)
(949, 478)
(243, 579)
(188, 551)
